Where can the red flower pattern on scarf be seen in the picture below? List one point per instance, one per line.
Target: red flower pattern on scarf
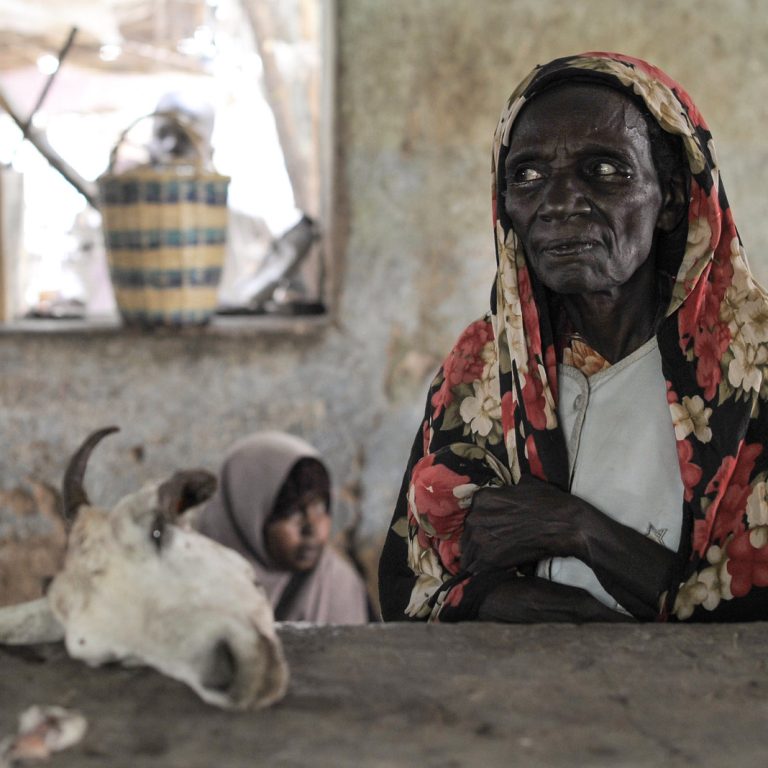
(456, 595)
(533, 397)
(532, 453)
(690, 472)
(434, 485)
(464, 364)
(530, 313)
(747, 566)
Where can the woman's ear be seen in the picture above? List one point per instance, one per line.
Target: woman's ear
(675, 203)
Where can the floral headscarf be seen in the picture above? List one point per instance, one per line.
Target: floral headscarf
(491, 413)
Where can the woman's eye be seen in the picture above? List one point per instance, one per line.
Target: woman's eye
(157, 531)
(292, 517)
(525, 173)
(604, 168)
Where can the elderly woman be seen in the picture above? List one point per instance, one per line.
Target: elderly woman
(594, 448)
(273, 505)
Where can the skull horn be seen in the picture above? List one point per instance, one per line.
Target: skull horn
(74, 495)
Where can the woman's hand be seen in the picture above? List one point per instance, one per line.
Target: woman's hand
(534, 520)
(528, 600)
(524, 523)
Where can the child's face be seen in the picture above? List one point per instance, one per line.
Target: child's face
(295, 540)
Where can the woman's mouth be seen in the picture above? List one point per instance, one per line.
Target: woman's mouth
(307, 552)
(569, 247)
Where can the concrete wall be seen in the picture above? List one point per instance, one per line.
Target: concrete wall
(420, 85)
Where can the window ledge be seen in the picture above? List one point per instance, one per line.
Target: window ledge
(220, 325)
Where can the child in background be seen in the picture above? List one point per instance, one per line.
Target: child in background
(273, 507)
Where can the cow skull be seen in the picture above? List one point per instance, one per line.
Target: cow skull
(140, 589)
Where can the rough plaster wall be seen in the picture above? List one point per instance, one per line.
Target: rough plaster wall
(421, 83)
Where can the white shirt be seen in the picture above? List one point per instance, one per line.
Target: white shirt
(622, 456)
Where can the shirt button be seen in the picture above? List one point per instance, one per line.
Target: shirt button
(578, 402)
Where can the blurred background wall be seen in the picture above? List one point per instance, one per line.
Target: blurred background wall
(418, 88)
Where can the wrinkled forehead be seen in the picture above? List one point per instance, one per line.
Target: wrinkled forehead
(657, 95)
(593, 111)
(565, 93)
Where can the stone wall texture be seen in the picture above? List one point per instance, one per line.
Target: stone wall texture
(419, 86)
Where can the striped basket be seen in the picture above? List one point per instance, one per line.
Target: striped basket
(165, 230)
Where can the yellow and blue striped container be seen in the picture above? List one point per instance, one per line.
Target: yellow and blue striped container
(165, 230)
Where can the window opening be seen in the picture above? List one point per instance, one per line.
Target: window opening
(253, 64)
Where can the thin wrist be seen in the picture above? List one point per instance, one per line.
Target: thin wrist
(583, 520)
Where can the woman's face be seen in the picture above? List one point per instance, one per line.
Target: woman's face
(582, 192)
(295, 540)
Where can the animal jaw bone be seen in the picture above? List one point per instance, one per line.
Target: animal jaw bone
(136, 587)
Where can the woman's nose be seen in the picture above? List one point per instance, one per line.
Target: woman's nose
(563, 197)
(307, 526)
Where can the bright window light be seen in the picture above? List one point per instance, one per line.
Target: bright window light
(110, 52)
(47, 63)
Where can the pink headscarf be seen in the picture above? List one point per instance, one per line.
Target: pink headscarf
(251, 478)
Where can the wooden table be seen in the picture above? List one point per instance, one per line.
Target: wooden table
(442, 696)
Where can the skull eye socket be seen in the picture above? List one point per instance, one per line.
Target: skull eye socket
(157, 531)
